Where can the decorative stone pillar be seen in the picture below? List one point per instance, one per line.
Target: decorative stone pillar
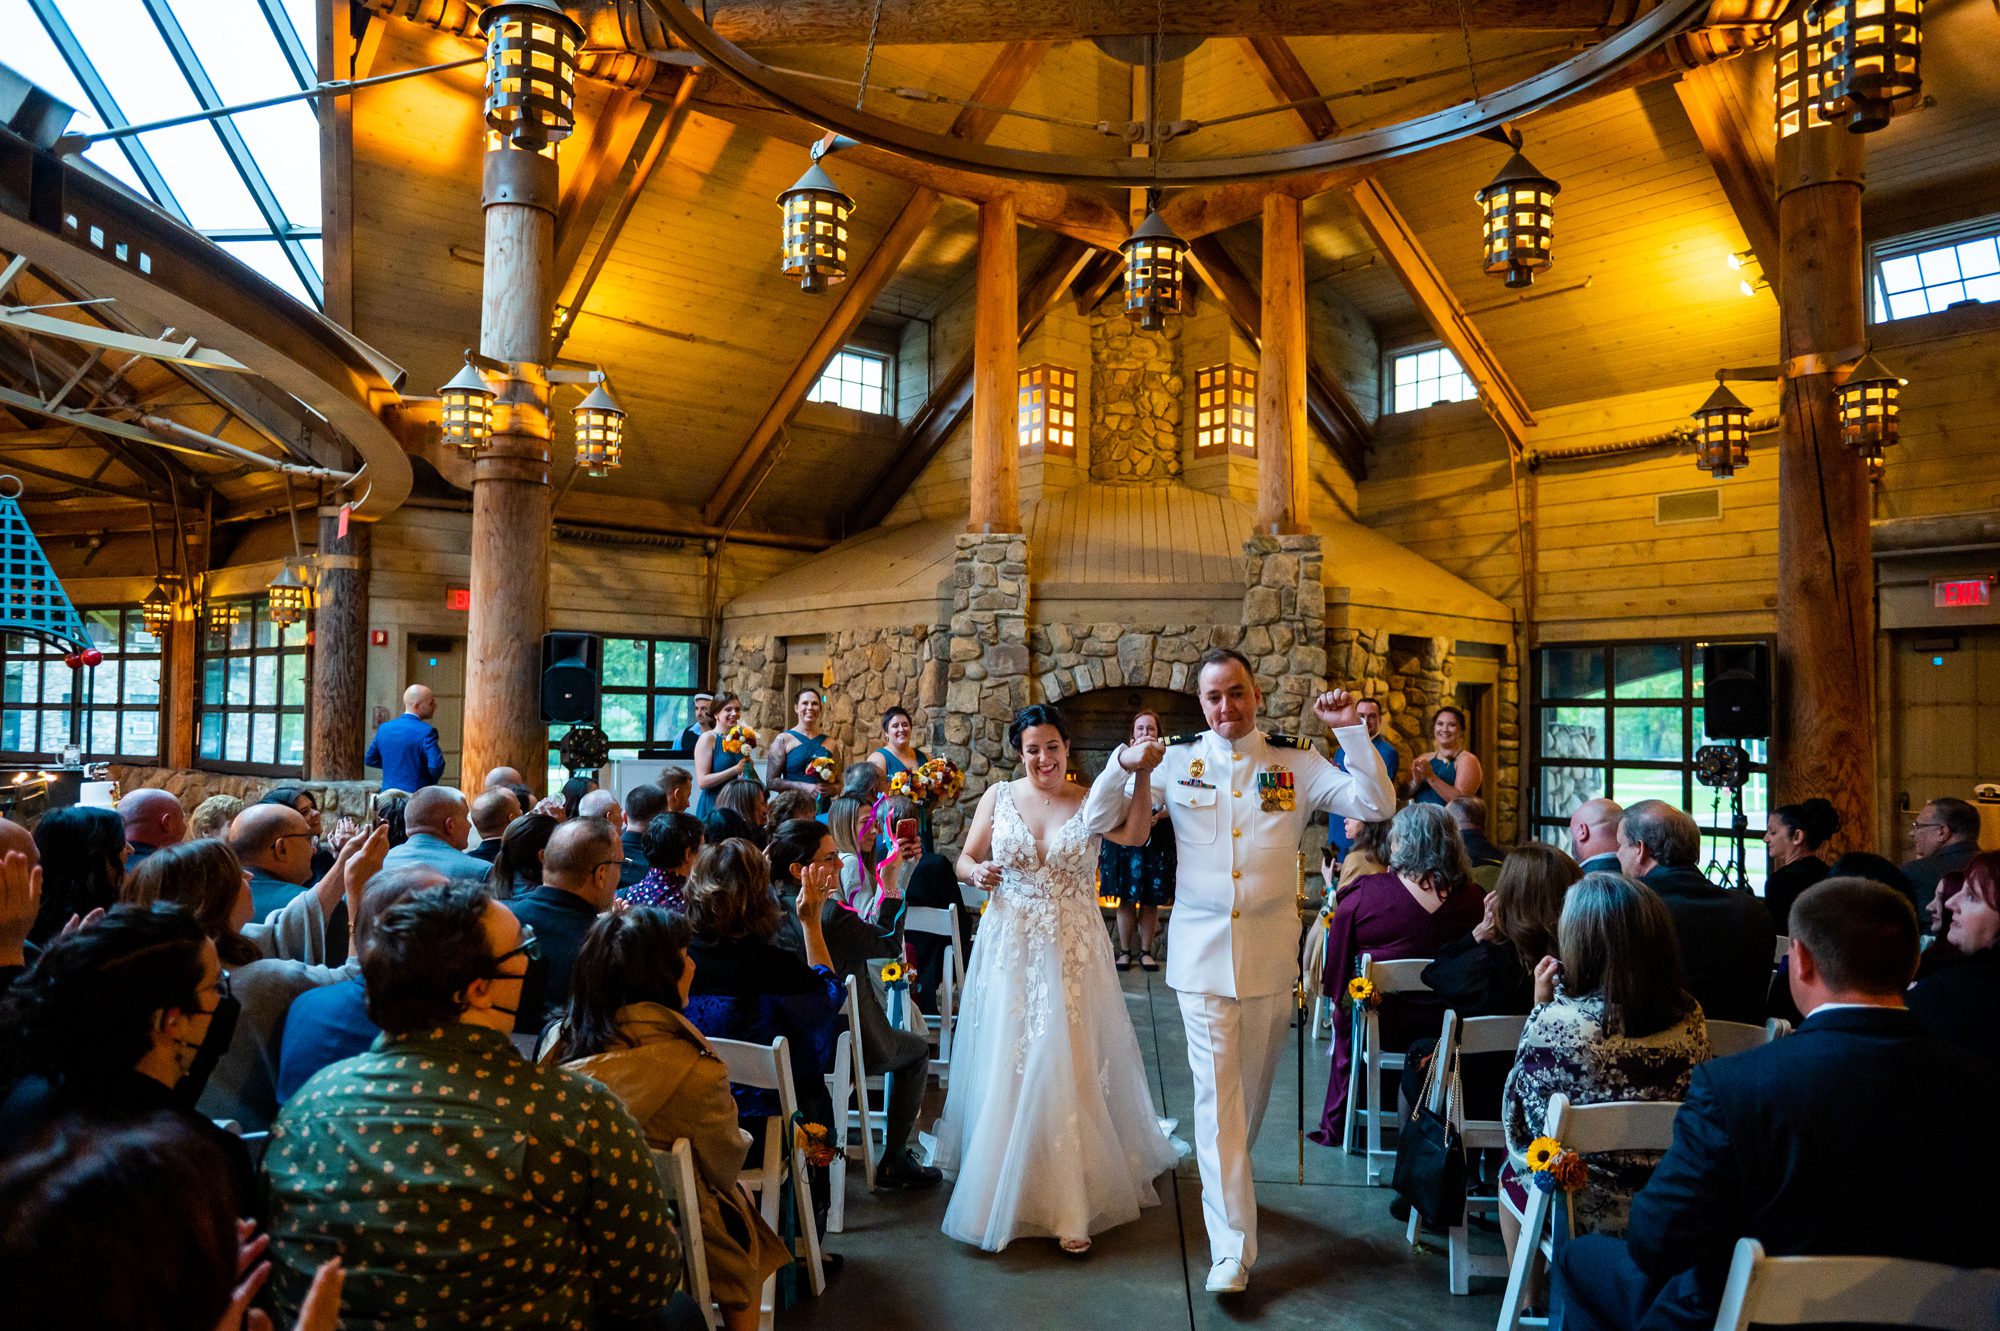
(1284, 628)
(1505, 781)
(986, 666)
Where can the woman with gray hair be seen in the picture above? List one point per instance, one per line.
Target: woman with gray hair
(1425, 899)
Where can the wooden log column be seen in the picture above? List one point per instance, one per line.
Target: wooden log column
(1824, 741)
(511, 499)
(340, 652)
(996, 356)
(1282, 493)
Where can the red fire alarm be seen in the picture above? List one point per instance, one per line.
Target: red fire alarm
(378, 637)
(458, 598)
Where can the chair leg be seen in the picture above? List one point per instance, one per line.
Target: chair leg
(808, 1230)
(1371, 1075)
(1355, 1045)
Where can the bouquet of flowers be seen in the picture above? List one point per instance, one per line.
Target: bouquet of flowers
(815, 1140)
(739, 738)
(821, 769)
(1553, 1167)
(1361, 993)
(945, 779)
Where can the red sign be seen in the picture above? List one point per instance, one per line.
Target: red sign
(1961, 593)
(458, 598)
(378, 637)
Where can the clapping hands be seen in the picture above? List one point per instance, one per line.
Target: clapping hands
(20, 902)
(319, 1312)
(1547, 972)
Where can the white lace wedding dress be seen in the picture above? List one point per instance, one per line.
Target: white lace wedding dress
(1048, 1128)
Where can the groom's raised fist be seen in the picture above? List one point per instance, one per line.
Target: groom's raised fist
(1337, 707)
(1142, 757)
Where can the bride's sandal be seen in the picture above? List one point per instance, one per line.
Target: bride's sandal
(1123, 961)
(1074, 1247)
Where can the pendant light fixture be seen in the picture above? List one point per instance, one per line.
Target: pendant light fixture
(530, 72)
(1519, 221)
(290, 597)
(815, 234)
(1868, 58)
(468, 409)
(1722, 433)
(1154, 261)
(1869, 410)
(600, 432)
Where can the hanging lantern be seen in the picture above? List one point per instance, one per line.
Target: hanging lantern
(1868, 407)
(223, 616)
(1722, 433)
(468, 409)
(1520, 221)
(530, 72)
(600, 432)
(290, 597)
(1868, 54)
(1798, 74)
(1154, 257)
(156, 612)
(816, 214)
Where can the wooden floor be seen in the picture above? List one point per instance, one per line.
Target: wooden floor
(1331, 1257)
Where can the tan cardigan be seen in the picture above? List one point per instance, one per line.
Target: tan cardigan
(676, 1087)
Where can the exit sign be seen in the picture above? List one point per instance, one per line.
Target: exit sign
(458, 598)
(1961, 593)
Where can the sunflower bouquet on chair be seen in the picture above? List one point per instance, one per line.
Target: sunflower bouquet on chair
(1553, 1167)
(739, 739)
(1360, 993)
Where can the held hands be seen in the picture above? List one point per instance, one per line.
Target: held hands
(1547, 971)
(1142, 757)
(986, 876)
(1336, 708)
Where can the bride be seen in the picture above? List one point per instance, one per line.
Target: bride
(1048, 1127)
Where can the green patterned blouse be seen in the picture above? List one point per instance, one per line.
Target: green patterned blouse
(464, 1186)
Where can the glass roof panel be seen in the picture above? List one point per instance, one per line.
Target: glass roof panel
(32, 54)
(242, 58)
(268, 258)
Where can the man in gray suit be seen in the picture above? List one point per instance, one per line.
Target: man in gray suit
(437, 823)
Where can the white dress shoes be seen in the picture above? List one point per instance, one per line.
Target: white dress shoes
(1228, 1277)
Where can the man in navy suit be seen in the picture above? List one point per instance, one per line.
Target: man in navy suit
(1809, 1144)
(406, 749)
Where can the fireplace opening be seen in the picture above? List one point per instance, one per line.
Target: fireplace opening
(1101, 720)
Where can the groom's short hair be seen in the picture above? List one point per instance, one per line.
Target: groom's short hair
(1217, 655)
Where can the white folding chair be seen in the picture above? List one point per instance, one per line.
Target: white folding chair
(676, 1170)
(847, 1084)
(1733, 1037)
(939, 922)
(769, 1068)
(1889, 1291)
(1368, 1061)
(1464, 1037)
(1617, 1125)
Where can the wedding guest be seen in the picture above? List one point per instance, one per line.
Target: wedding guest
(787, 762)
(1612, 1021)
(843, 821)
(1961, 1003)
(1425, 899)
(306, 805)
(208, 879)
(518, 866)
(864, 781)
(152, 818)
(1367, 851)
(786, 805)
(108, 1024)
(1337, 834)
(1725, 937)
(1449, 770)
(406, 748)
(625, 1028)
(746, 800)
(1784, 1143)
(275, 843)
(1945, 837)
(1140, 877)
(20, 898)
(1793, 834)
(858, 928)
(714, 767)
(1876, 869)
(1593, 836)
(643, 803)
(211, 817)
(1468, 814)
(679, 786)
(670, 843)
(437, 823)
(601, 803)
(579, 883)
(728, 825)
(491, 811)
(82, 851)
(573, 792)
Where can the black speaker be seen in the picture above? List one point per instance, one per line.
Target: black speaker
(1736, 690)
(570, 663)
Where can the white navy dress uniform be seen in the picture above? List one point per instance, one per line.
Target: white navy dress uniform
(1239, 811)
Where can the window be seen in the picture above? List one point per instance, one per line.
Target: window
(253, 694)
(857, 380)
(249, 182)
(1427, 376)
(1935, 270)
(1048, 409)
(1623, 720)
(1225, 410)
(645, 699)
(120, 697)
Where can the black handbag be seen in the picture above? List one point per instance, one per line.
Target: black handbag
(1430, 1155)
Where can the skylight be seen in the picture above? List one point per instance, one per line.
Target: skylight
(249, 182)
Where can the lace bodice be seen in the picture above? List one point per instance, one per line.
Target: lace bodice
(1066, 870)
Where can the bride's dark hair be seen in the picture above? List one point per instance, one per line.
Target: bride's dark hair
(1036, 714)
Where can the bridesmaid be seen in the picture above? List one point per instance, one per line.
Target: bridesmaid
(1448, 771)
(708, 778)
(901, 755)
(786, 767)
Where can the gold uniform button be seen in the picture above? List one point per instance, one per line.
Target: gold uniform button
(1235, 873)
(1236, 914)
(1237, 793)
(1236, 831)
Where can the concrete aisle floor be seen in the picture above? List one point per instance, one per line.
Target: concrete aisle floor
(1331, 1257)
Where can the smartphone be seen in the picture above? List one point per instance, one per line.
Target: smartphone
(906, 829)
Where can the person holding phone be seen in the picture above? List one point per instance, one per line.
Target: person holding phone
(1141, 877)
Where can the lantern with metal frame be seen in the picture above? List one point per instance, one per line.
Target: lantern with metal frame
(1154, 261)
(156, 611)
(1868, 407)
(290, 596)
(1869, 59)
(600, 432)
(1798, 75)
(1722, 433)
(222, 616)
(467, 409)
(815, 235)
(530, 71)
(1519, 221)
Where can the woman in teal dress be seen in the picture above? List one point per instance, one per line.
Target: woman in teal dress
(713, 768)
(789, 765)
(902, 755)
(1448, 771)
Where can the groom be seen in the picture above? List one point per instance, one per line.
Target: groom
(1239, 799)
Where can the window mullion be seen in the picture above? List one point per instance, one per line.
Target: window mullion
(292, 43)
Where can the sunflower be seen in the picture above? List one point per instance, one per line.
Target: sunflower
(816, 1142)
(892, 973)
(1542, 1153)
(1361, 989)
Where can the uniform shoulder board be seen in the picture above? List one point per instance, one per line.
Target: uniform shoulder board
(1182, 739)
(1288, 742)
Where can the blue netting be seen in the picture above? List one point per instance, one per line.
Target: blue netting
(31, 599)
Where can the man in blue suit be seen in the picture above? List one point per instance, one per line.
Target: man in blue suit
(1805, 1144)
(406, 749)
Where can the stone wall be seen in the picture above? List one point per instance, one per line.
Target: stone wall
(873, 670)
(1284, 619)
(1136, 388)
(986, 671)
(352, 798)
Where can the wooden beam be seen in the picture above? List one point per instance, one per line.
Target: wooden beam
(1101, 272)
(1002, 83)
(996, 358)
(942, 413)
(336, 55)
(1447, 318)
(1274, 59)
(1282, 493)
(1729, 118)
(623, 129)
